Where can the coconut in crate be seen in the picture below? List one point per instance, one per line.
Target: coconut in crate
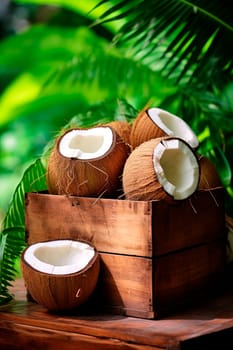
(164, 162)
(87, 162)
(154, 158)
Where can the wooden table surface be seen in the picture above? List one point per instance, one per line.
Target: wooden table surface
(27, 325)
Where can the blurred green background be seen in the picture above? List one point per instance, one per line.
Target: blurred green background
(54, 67)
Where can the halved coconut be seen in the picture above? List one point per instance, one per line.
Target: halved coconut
(156, 122)
(162, 168)
(87, 162)
(60, 274)
(209, 177)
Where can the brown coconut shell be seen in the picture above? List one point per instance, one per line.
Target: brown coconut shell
(144, 128)
(93, 177)
(122, 128)
(140, 181)
(209, 176)
(61, 292)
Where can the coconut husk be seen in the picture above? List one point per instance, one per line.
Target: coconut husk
(209, 177)
(141, 179)
(145, 127)
(122, 128)
(87, 177)
(61, 292)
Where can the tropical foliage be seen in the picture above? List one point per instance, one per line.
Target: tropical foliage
(80, 64)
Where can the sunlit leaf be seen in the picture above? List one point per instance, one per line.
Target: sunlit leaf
(86, 8)
(47, 45)
(187, 41)
(23, 90)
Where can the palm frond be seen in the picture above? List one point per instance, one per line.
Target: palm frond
(189, 35)
(12, 237)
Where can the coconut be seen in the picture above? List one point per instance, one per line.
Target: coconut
(209, 177)
(154, 122)
(60, 274)
(87, 162)
(162, 168)
(122, 128)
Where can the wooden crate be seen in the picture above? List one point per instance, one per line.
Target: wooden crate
(154, 255)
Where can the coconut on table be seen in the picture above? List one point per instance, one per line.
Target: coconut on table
(60, 274)
(155, 255)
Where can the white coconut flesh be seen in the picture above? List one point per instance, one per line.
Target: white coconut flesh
(176, 167)
(172, 125)
(86, 143)
(59, 257)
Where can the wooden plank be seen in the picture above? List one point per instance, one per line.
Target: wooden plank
(149, 288)
(15, 336)
(197, 220)
(125, 285)
(127, 227)
(184, 277)
(115, 226)
(211, 317)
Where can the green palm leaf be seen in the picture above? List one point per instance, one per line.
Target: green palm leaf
(189, 35)
(12, 237)
(80, 7)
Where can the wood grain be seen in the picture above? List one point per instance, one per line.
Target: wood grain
(141, 228)
(27, 325)
(197, 220)
(114, 226)
(154, 256)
